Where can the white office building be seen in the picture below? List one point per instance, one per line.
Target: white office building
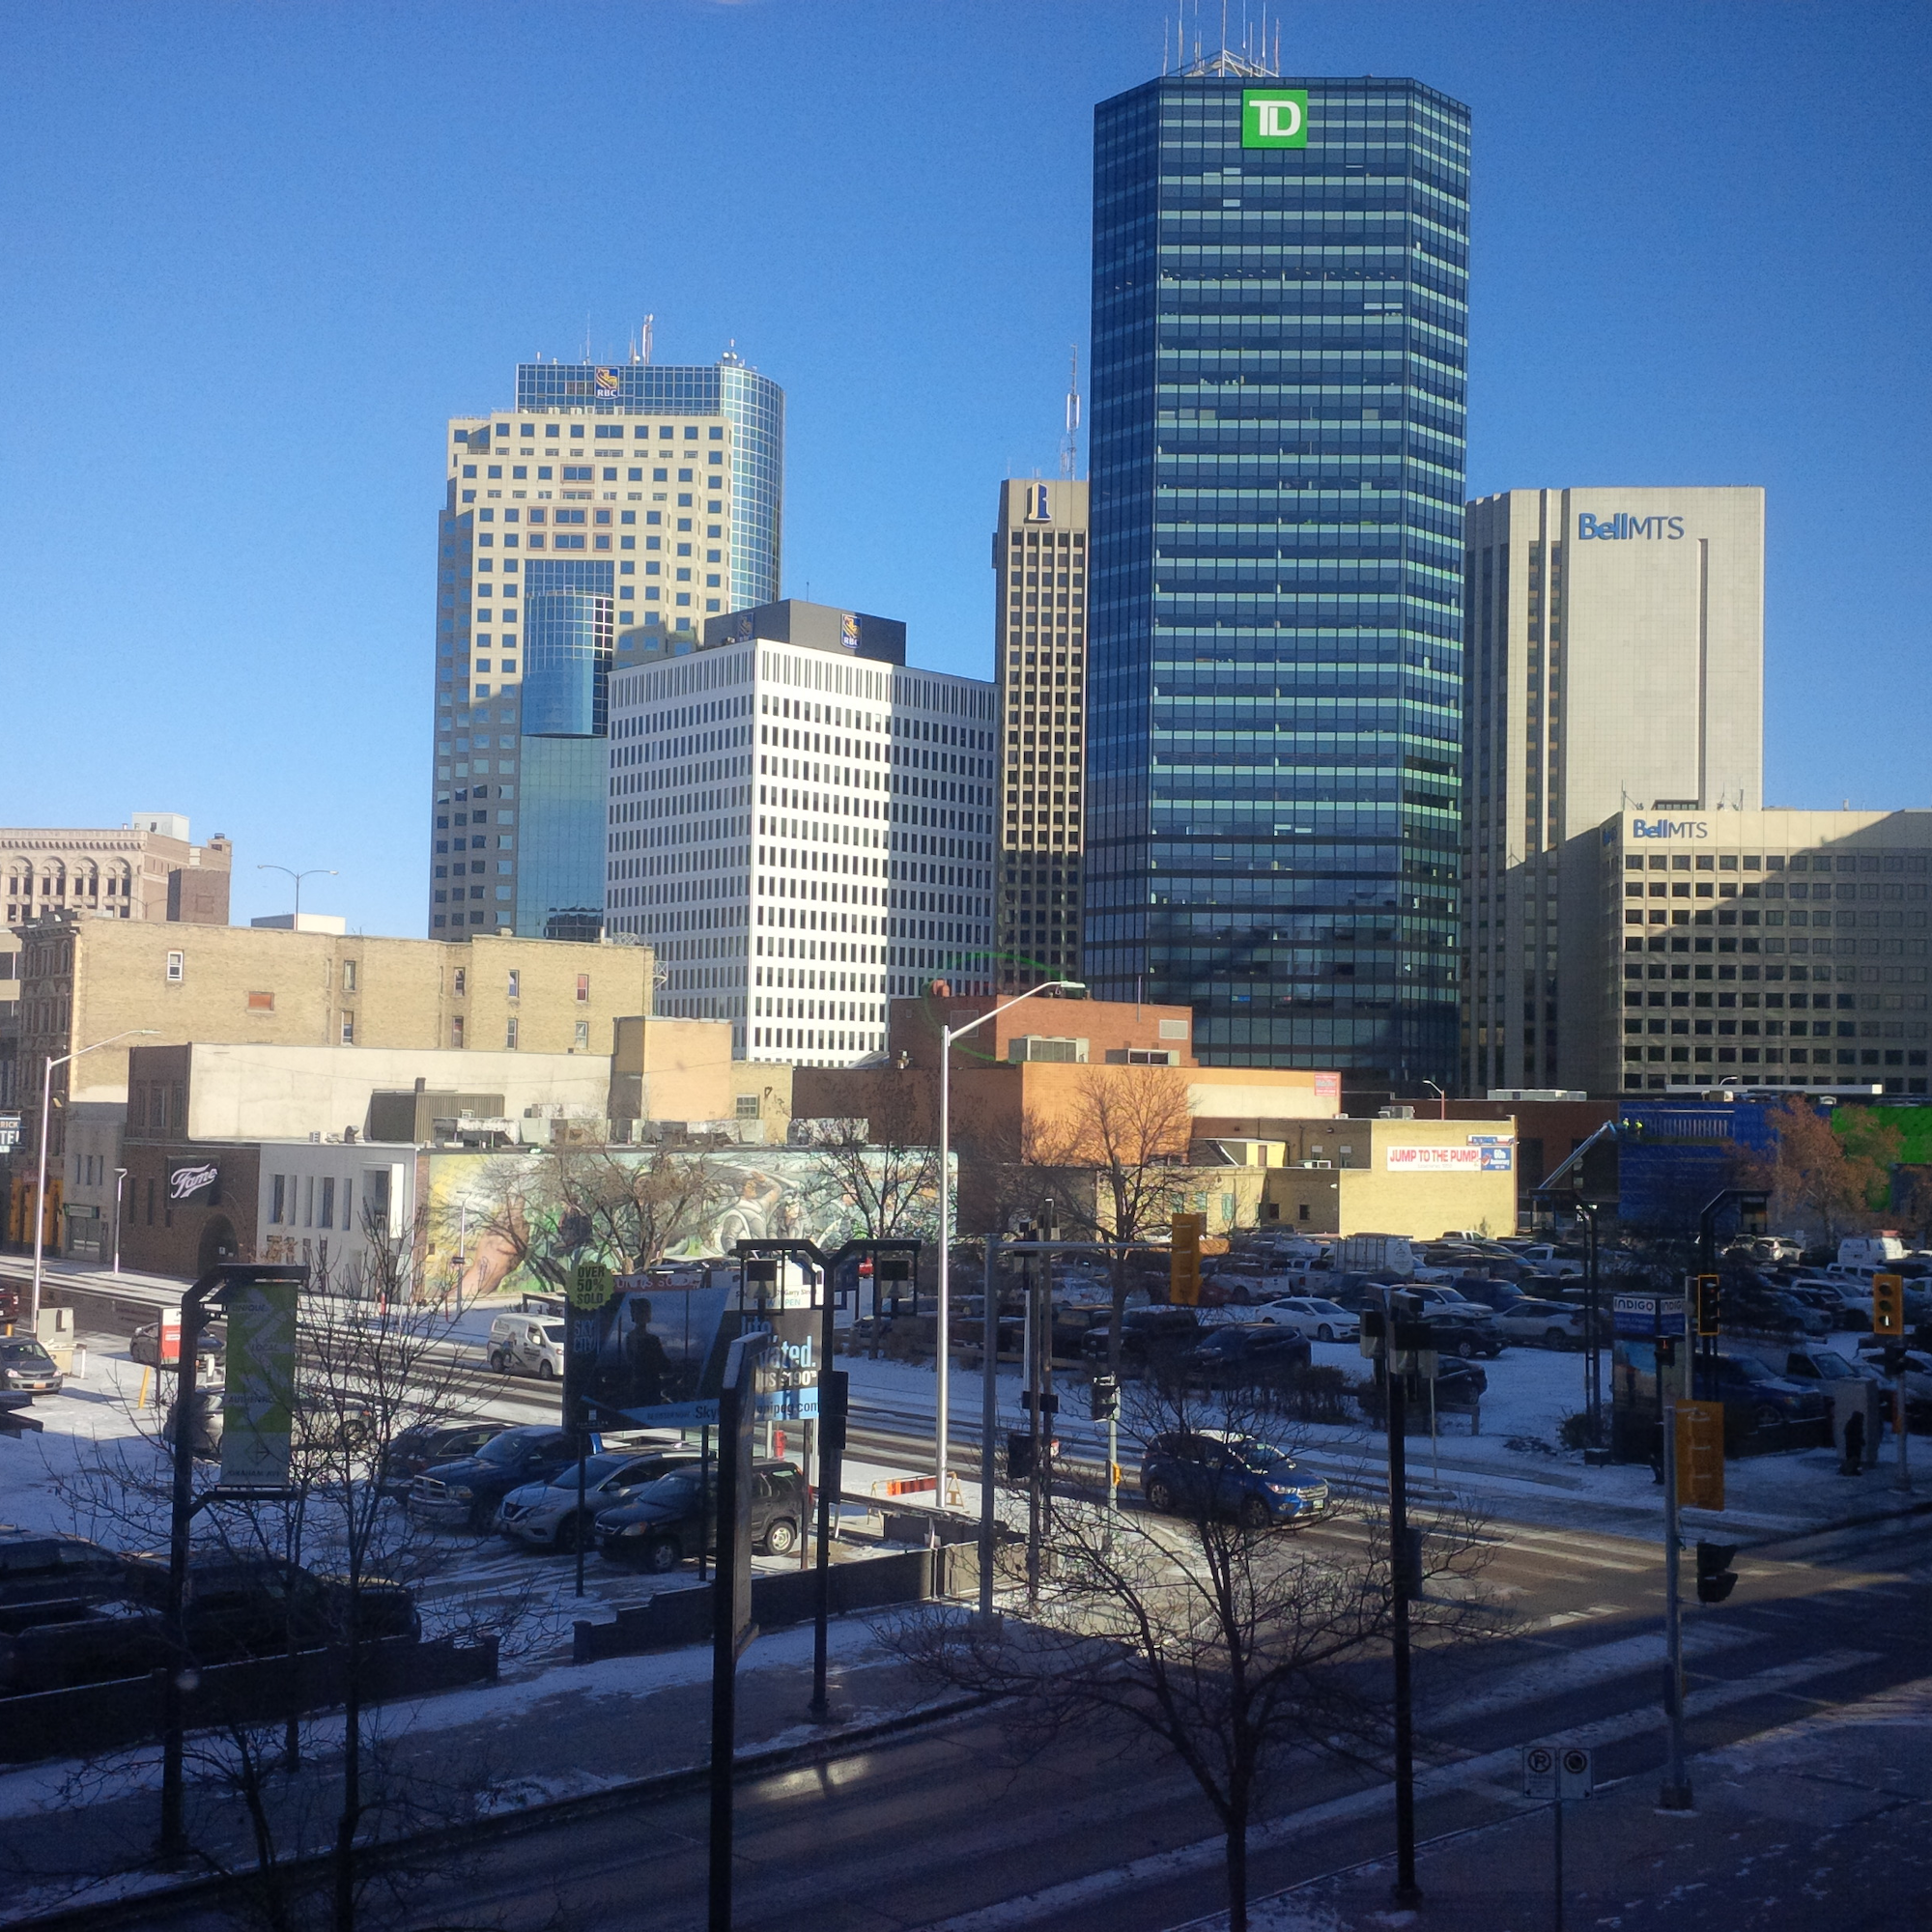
(1613, 661)
(801, 825)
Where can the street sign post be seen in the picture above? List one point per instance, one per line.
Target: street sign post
(1554, 1773)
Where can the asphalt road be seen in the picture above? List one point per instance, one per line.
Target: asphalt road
(944, 1827)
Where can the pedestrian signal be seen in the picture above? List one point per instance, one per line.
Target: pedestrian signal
(1715, 1580)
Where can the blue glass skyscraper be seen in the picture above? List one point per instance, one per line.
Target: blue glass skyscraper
(1279, 349)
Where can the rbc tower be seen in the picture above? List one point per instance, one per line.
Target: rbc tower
(1280, 280)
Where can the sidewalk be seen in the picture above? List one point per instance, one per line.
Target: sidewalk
(1824, 1821)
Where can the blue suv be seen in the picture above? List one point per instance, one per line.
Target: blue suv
(1187, 1472)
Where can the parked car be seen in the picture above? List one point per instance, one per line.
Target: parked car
(26, 1366)
(236, 1606)
(1826, 1365)
(423, 1446)
(37, 1568)
(319, 1421)
(465, 1495)
(240, 1604)
(544, 1515)
(1310, 1314)
(144, 1346)
(1556, 1325)
(1459, 1390)
(526, 1344)
(666, 1523)
(1212, 1471)
(1772, 1400)
(1245, 1355)
(1148, 1335)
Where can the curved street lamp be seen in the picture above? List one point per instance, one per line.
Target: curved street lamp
(313, 873)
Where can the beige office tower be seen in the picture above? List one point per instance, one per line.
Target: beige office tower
(1039, 651)
(1612, 660)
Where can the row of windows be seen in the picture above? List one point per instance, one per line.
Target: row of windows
(518, 474)
(666, 432)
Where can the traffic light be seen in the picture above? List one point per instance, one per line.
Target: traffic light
(1184, 1263)
(1888, 1304)
(1715, 1580)
(1707, 1302)
(1104, 1399)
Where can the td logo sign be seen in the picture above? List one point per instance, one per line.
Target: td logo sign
(1274, 117)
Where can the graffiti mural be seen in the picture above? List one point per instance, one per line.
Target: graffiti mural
(510, 1221)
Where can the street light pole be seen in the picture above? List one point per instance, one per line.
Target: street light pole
(313, 873)
(41, 1190)
(120, 1181)
(948, 1033)
(1441, 1099)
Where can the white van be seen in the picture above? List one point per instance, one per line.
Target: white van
(1871, 1251)
(526, 1344)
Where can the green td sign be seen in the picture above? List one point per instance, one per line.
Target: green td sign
(1274, 117)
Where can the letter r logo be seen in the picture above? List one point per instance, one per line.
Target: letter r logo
(1274, 118)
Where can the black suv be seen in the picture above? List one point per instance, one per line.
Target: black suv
(467, 1493)
(663, 1524)
(1246, 1356)
(1160, 1334)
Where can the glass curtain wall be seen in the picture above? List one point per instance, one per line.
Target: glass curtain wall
(1279, 352)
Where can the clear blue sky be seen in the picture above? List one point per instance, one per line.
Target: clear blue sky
(254, 256)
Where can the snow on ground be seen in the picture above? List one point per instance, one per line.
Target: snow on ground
(1514, 1466)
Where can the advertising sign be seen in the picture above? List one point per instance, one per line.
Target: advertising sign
(9, 1131)
(258, 1399)
(1647, 1315)
(169, 1349)
(1439, 1159)
(194, 1181)
(1274, 117)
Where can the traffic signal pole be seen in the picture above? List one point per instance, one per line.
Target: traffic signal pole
(1675, 1795)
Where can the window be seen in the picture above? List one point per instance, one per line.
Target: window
(516, 980)
(582, 1036)
(347, 1029)
(462, 980)
(456, 1030)
(748, 1106)
(177, 968)
(510, 1032)
(582, 989)
(261, 1002)
(326, 1214)
(349, 975)
(278, 1196)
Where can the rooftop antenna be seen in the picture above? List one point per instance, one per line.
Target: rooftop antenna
(1163, 47)
(586, 338)
(648, 333)
(1069, 443)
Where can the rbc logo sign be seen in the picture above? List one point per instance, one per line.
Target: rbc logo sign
(1622, 527)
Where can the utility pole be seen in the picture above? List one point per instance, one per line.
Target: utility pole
(1675, 1795)
(989, 1417)
(1405, 1893)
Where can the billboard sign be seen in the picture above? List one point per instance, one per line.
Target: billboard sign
(258, 1399)
(9, 1131)
(1442, 1160)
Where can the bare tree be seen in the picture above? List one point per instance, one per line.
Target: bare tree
(880, 1166)
(1233, 1646)
(1115, 1163)
(1819, 1183)
(336, 1553)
